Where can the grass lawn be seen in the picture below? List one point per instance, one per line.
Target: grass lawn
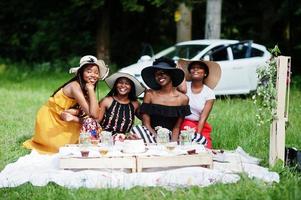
(233, 120)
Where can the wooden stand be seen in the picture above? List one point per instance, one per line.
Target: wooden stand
(277, 131)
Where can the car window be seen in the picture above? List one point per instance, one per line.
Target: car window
(244, 50)
(186, 51)
(218, 53)
(240, 51)
(256, 53)
(171, 54)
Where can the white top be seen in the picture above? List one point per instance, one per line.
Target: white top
(197, 101)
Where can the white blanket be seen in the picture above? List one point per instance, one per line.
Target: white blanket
(39, 170)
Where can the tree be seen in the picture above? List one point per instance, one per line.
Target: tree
(213, 19)
(183, 19)
(103, 33)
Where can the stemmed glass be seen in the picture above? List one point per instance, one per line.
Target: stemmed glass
(106, 142)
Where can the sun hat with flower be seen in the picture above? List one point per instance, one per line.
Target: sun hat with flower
(89, 59)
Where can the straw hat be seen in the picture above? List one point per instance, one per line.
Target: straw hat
(110, 81)
(214, 71)
(148, 73)
(103, 69)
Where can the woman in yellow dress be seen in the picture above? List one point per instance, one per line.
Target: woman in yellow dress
(53, 127)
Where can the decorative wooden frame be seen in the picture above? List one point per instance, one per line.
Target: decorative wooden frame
(277, 130)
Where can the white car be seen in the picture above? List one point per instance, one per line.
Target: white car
(238, 60)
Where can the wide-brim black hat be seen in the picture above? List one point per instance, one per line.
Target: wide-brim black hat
(148, 75)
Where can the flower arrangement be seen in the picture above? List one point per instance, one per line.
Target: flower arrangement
(265, 96)
(161, 130)
(162, 134)
(187, 134)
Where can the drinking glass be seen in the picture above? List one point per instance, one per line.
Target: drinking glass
(84, 138)
(106, 138)
(185, 137)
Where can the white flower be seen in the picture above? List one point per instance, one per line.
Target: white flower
(158, 127)
(161, 130)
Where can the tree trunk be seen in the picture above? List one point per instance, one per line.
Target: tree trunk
(183, 19)
(103, 34)
(213, 19)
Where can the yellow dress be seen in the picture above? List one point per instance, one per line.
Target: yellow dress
(50, 131)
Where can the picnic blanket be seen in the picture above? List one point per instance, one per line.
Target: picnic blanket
(39, 170)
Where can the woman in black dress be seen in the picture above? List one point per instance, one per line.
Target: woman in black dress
(163, 105)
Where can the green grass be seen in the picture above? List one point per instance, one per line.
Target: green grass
(233, 119)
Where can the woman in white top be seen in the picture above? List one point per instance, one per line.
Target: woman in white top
(201, 96)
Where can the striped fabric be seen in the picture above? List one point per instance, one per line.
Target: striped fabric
(147, 137)
(198, 138)
(144, 134)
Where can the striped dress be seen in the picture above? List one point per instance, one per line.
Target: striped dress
(118, 118)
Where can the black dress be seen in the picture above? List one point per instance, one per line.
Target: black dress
(164, 116)
(118, 118)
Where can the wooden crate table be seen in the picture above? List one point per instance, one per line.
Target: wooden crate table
(127, 162)
(200, 159)
(135, 162)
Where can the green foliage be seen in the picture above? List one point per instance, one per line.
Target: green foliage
(42, 31)
(265, 97)
(132, 5)
(20, 71)
(91, 4)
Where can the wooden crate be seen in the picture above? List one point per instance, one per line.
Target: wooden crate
(200, 159)
(127, 162)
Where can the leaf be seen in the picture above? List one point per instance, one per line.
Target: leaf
(265, 97)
